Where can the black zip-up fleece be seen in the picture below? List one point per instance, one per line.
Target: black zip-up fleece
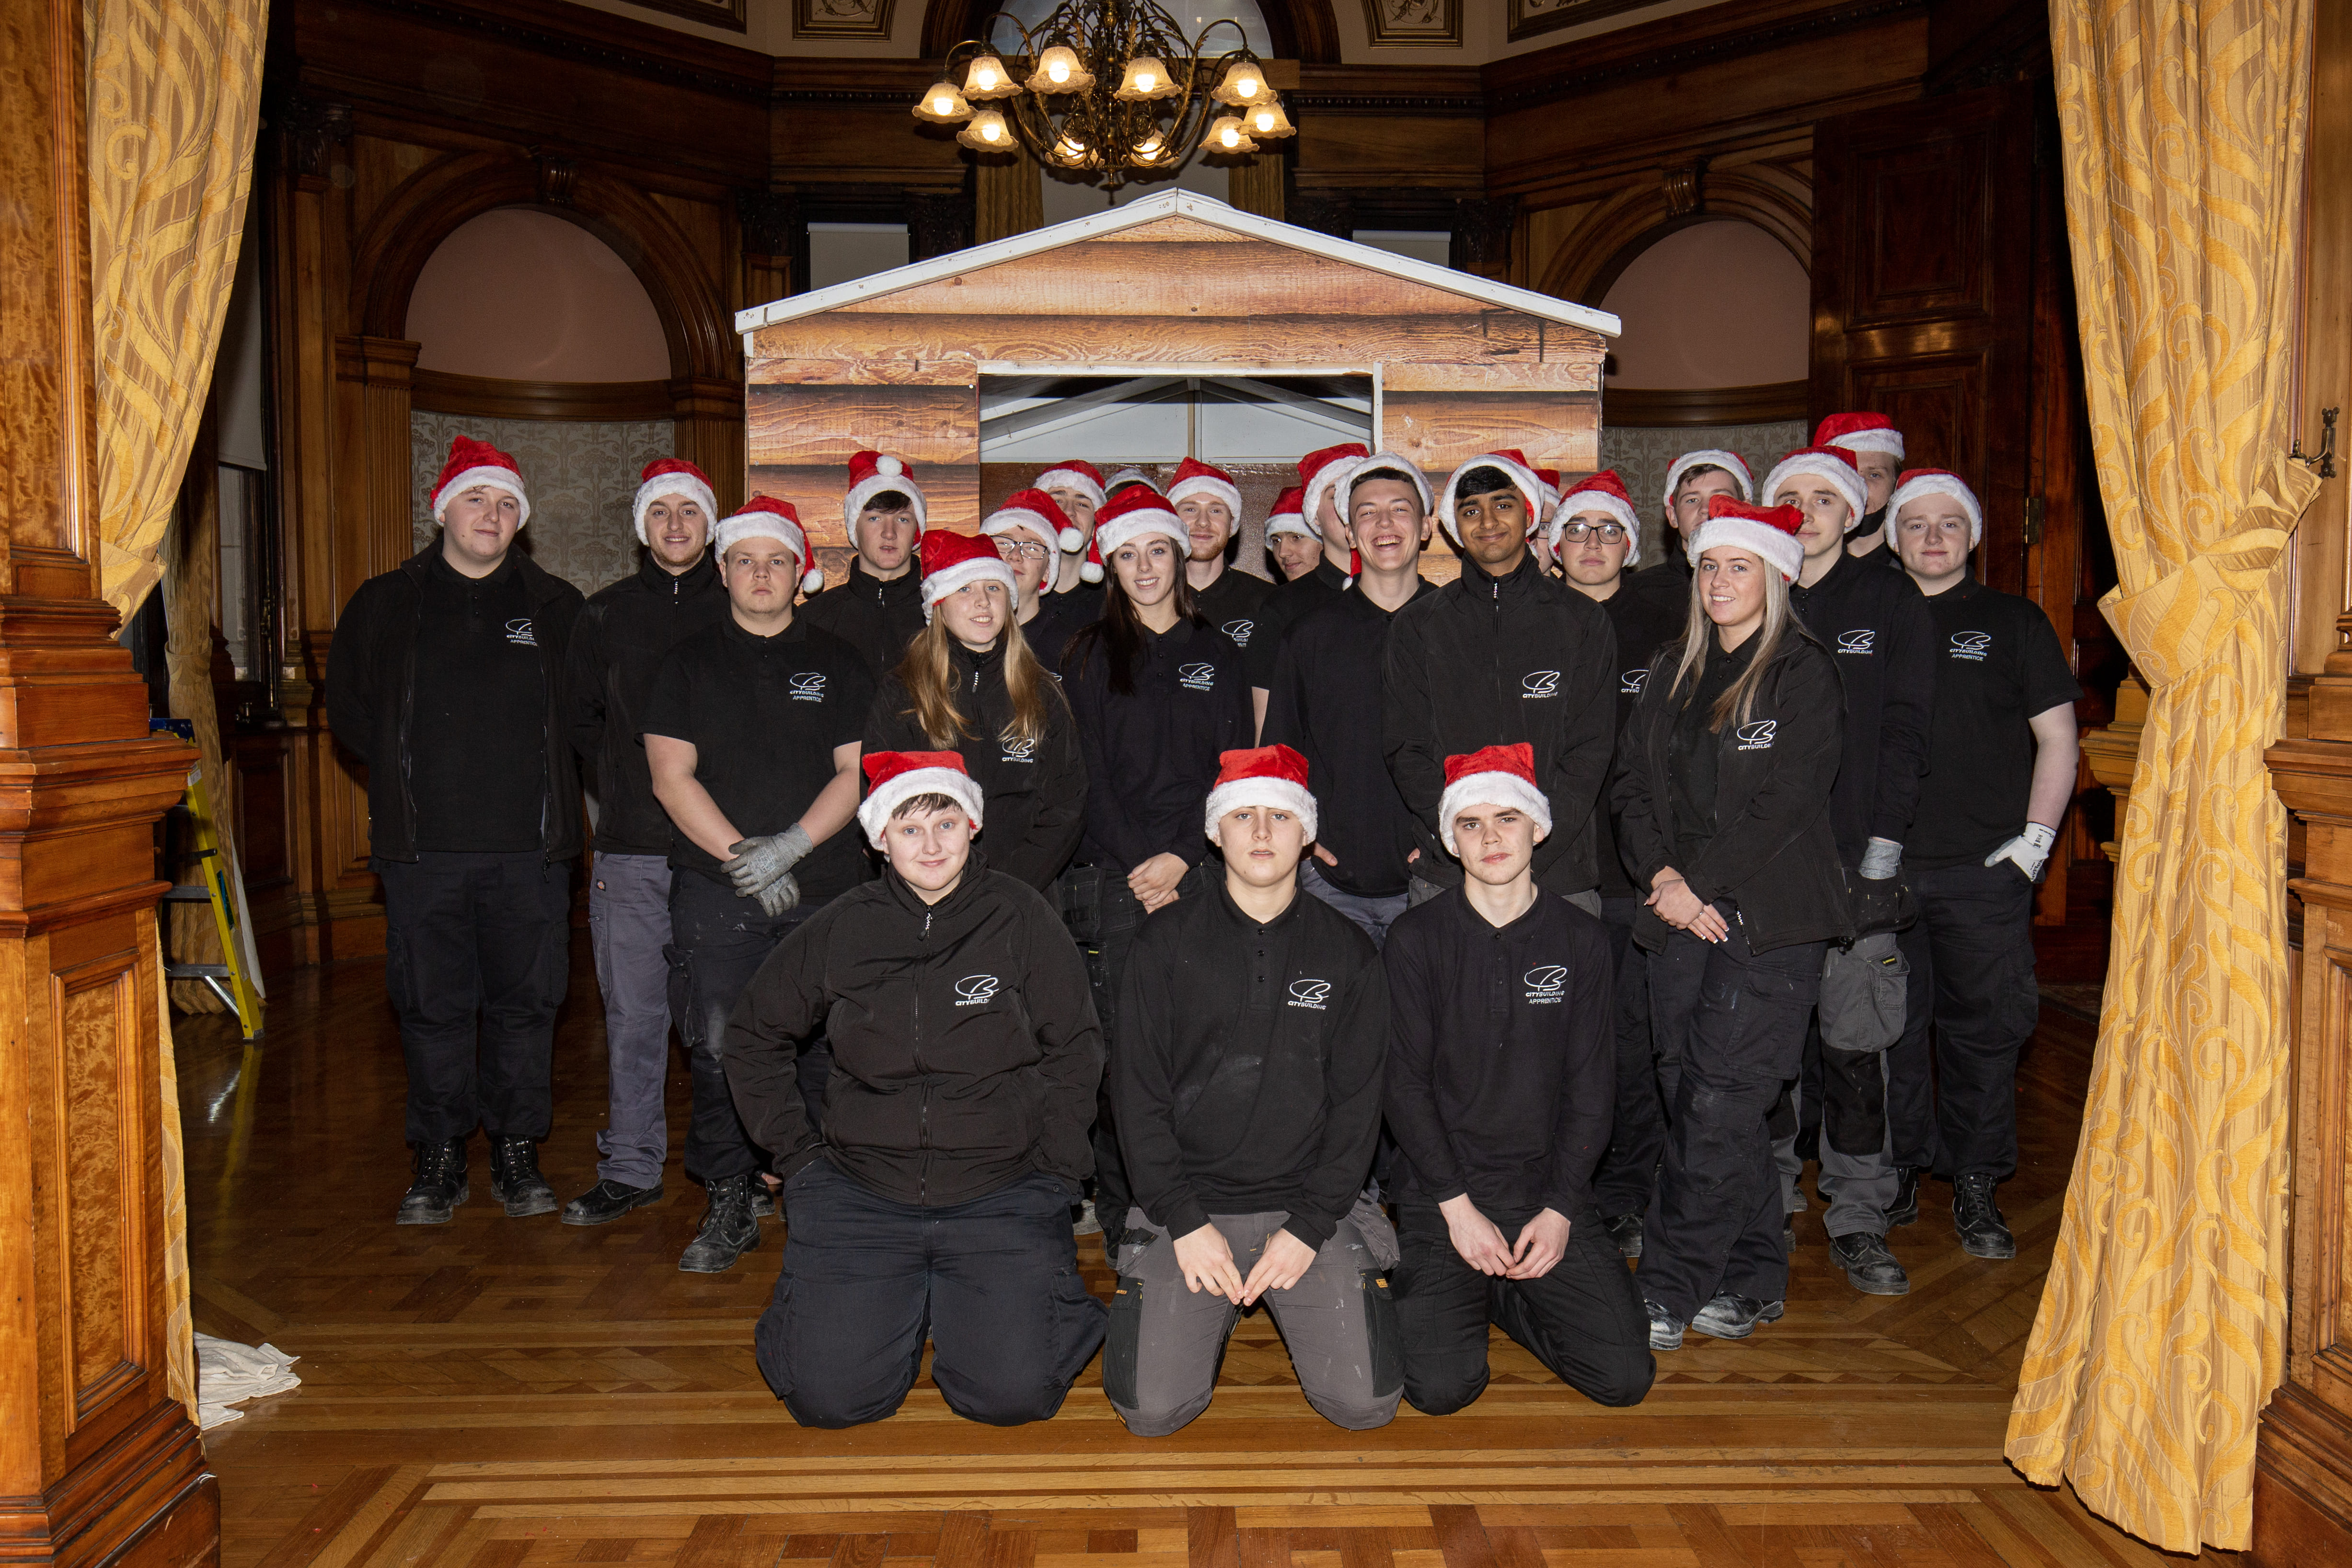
(1151, 755)
(965, 1050)
(1033, 792)
(623, 631)
(1882, 637)
(1642, 624)
(1502, 1078)
(1249, 1076)
(371, 689)
(876, 619)
(1772, 852)
(1488, 661)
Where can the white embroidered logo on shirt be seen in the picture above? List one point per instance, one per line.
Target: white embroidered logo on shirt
(1758, 736)
(1239, 631)
(1971, 646)
(808, 686)
(976, 989)
(1310, 993)
(1630, 682)
(521, 633)
(1540, 683)
(1860, 641)
(1019, 752)
(1547, 983)
(1198, 676)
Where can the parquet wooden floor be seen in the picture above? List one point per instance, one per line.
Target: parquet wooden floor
(497, 1394)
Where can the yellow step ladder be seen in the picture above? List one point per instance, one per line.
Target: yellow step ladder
(228, 981)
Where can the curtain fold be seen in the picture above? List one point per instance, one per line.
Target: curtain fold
(174, 99)
(2160, 1333)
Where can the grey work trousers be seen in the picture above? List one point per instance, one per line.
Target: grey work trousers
(629, 928)
(1374, 916)
(1159, 1364)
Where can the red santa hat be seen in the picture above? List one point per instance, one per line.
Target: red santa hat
(1319, 472)
(672, 477)
(1035, 512)
(1766, 533)
(1075, 474)
(1834, 464)
(1550, 478)
(894, 778)
(1731, 463)
(1860, 433)
(1129, 517)
(765, 517)
(952, 561)
(1604, 491)
(472, 463)
(1492, 775)
(1513, 465)
(1197, 478)
(1289, 515)
(872, 474)
(1262, 775)
(1917, 482)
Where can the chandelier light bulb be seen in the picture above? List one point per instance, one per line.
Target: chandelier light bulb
(1267, 120)
(989, 79)
(943, 105)
(987, 132)
(1146, 77)
(1228, 135)
(1059, 69)
(1243, 84)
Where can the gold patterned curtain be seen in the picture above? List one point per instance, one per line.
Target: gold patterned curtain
(174, 99)
(2160, 1332)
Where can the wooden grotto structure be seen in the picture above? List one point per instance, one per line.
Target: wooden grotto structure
(1172, 284)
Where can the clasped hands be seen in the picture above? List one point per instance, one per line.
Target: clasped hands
(1683, 910)
(761, 868)
(1208, 1265)
(1543, 1241)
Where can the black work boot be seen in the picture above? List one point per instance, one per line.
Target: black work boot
(607, 1201)
(1977, 1220)
(1905, 1209)
(515, 1180)
(1625, 1230)
(728, 1231)
(439, 1187)
(1731, 1316)
(1869, 1266)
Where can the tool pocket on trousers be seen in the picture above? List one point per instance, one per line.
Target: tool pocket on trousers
(1380, 1235)
(1124, 1346)
(1081, 893)
(681, 995)
(1380, 1329)
(1864, 994)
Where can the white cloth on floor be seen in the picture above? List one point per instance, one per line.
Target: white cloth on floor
(229, 1374)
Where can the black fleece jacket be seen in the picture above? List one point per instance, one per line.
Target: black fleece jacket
(1882, 636)
(1488, 661)
(1502, 1076)
(1249, 1079)
(1644, 624)
(1771, 852)
(1151, 755)
(965, 1050)
(623, 631)
(1033, 792)
(876, 619)
(371, 689)
(1290, 603)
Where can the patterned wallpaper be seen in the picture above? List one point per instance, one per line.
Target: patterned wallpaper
(1641, 455)
(582, 476)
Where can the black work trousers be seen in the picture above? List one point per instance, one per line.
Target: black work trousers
(1584, 1320)
(477, 959)
(1637, 1138)
(993, 1284)
(718, 939)
(1716, 1223)
(1971, 955)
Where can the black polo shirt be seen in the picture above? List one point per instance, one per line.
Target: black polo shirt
(1644, 623)
(1290, 603)
(477, 733)
(1998, 664)
(763, 715)
(1232, 605)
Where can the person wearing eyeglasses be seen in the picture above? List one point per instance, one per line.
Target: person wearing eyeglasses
(1030, 529)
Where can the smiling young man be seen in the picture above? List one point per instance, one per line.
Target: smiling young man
(1076, 488)
(1500, 654)
(752, 736)
(878, 608)
(1248, 1086)
(1326, 703)
(2001, 768)
(1693, 479)
(626, 629)
(1500, 1089)
(932, 1199)
(1877, 447)
(446, 679)
(1209, 504)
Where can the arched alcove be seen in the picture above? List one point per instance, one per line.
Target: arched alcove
(1715, 305)
(522, 295)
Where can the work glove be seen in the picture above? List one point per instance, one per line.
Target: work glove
(2028, 851)
(1881, 860)
(780, 895)
(758, 862)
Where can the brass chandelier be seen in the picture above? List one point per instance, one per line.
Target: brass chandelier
(1066, 113)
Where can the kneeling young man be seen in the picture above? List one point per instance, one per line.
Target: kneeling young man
(1253, 1024)
(1500, 1090)
(936, 1198)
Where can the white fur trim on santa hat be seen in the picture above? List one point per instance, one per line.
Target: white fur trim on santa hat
(1577, 501)
(1289, 522)
(874, 811)
(964, 574)
(1021, 520)
(1491, 789)
(889, 474)
(1214, 489)
(1069, 479)
(1841, 475)
(506, 479)
(1731, 463)
(1522, 478)
(1785, 552)
(768, 525)
(1279, 794)
(685, 486)
(1131, 526)
(1937, 485)
(1387, 463)
(1888, 441)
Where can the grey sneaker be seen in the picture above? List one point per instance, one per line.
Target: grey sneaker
(1666, 1328)
(1869, 1266)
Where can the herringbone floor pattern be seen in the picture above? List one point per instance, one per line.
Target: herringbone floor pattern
(497, 1394)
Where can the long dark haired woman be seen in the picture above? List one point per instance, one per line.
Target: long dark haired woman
(1722, 795)
(970, 684)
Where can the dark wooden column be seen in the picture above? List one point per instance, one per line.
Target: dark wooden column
(98, 1462)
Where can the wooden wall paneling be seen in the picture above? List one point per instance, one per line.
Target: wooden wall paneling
(879, 341)
(1441, 430)
(2323, 539)
(798, 440)
(489, 397)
